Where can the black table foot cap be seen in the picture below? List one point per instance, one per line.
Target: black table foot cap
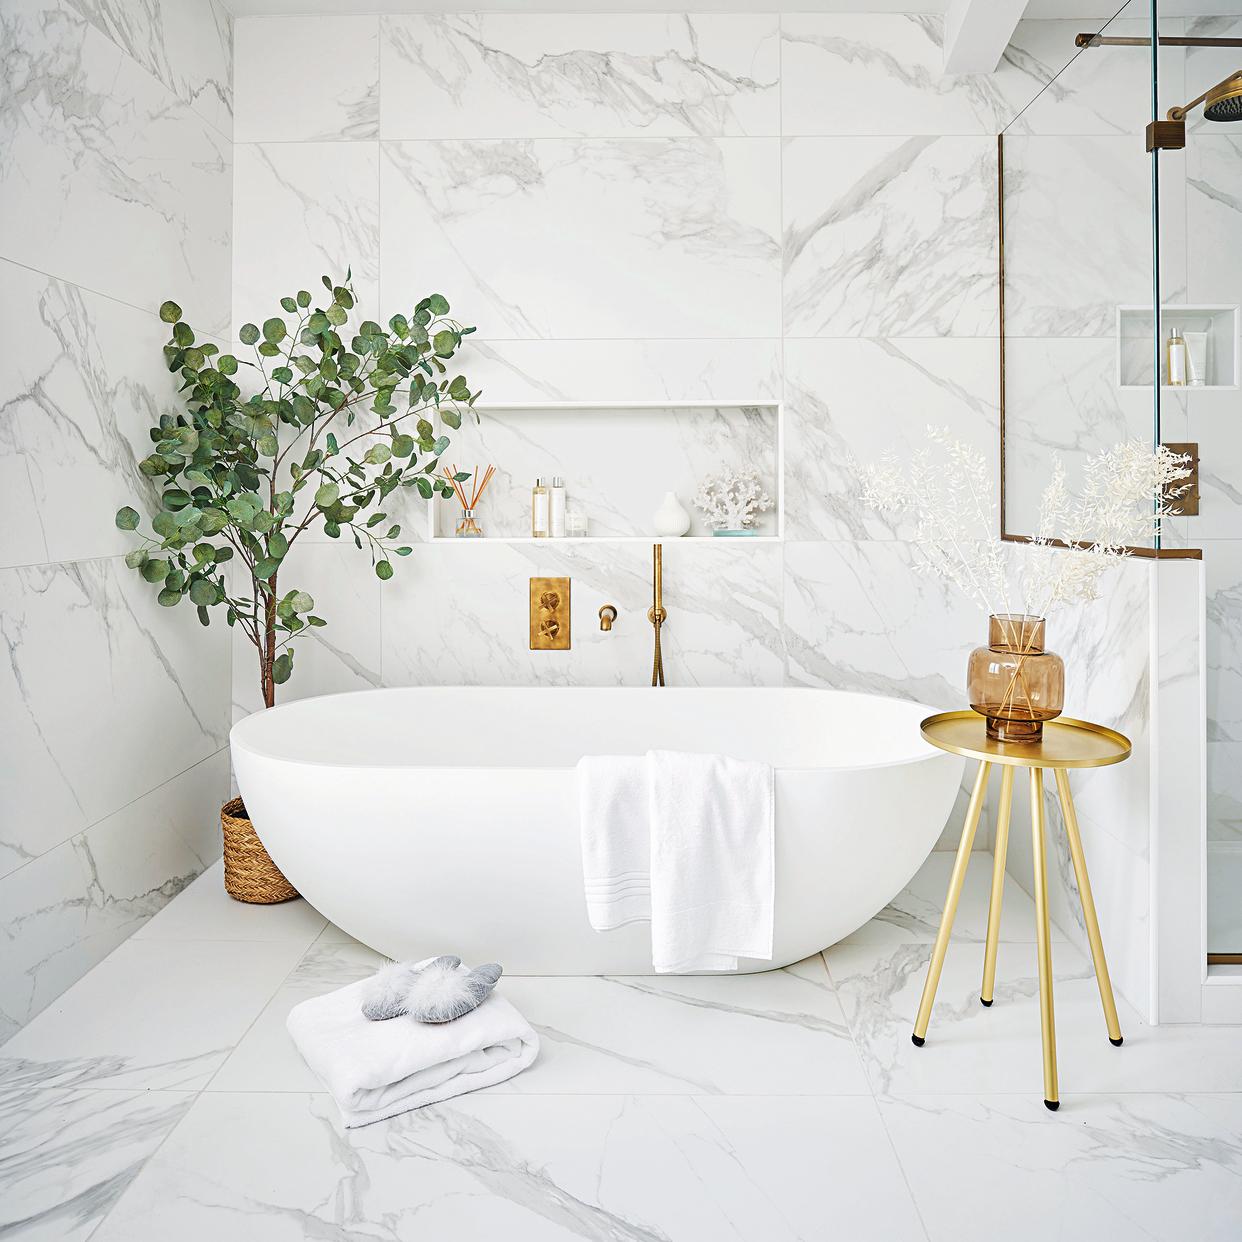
(917, 1041)
(983, 1002)
(1116, 1043)
(1052, 1105)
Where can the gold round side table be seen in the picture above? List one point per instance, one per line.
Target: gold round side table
(1065, 744)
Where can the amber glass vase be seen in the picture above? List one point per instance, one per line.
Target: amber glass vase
(1013, 681)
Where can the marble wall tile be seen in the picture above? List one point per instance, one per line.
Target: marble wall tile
(1224, 883)
(1100, 91)
(72, 905)
(851, 402)
(609, 75)
(1062, 403)
(1222, 562)
(304, 210)
(459, 616)
(98, 148)
(1077, 234)
(1212, 423)
(625, 370)
(890, 236)
(307, 79)
(617, 469)
(1213, 172)
(560, 238)
(879, 73)
(860, 616)
(341, 656)
(186, 44)
(82, 380)
(90, 632)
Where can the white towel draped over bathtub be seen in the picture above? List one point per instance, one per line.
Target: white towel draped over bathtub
(686, 841)
(379, 1069)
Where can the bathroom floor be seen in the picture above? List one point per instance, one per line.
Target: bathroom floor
(161, 1098)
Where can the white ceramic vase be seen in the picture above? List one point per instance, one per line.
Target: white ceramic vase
(671, 518)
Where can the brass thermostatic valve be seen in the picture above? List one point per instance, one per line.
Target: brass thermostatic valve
(607, 615)
(549, 614)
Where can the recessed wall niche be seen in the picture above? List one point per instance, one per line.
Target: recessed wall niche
(617, 462)
(1210, 333)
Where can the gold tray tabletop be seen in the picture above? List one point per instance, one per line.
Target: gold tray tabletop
(1066, 743)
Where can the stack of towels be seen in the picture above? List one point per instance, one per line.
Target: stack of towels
(684, 841)
(379, 1068)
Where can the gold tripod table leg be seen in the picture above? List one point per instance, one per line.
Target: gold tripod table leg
(998, 884)
(956, 881)
(1088, 909)
(1043, 937)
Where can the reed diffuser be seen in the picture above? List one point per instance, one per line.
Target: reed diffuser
(467, 525)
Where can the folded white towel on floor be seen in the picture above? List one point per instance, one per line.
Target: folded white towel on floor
(376, 1070)
(684, 840)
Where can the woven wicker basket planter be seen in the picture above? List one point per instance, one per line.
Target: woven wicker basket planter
(249, 873)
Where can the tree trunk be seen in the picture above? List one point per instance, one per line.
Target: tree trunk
(267, 654)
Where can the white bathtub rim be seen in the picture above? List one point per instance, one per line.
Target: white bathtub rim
(924, 754)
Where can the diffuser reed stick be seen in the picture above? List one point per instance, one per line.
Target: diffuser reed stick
(468, 526)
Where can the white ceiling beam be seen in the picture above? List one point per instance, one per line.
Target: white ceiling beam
(977, 32)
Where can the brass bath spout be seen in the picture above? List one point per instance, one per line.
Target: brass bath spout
(656, 614)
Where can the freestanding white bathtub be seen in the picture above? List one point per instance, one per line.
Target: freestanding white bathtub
(445, 819)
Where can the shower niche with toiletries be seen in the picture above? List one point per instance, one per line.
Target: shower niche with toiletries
(1198, 347)
(604, 472)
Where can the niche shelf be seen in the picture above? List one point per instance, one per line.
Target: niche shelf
(1211, 332)
(617, 459)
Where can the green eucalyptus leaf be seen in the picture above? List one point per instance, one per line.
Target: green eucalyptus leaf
(136, 559)
(383, 570)
(326, 495)
(266, 568)
(438, 304)
(169, 598)
(226, 364)
(304, 298)
(402, 445)
(288, 304)
(204, 617)
(127, 518)
(170, 312)
(203, 592)
(274, 330)
(248, 334)
(282, 668)
(155, 570)
(302, 601)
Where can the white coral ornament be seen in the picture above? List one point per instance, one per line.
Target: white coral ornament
(732, 500)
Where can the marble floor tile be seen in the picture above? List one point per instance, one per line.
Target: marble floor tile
(66, 1156)
(913, 916)
(646, 1169)
(265, 1058)
(777, 1033)
(997, 1050)
(154, 1015)
(1147, 1166)
(204, 911)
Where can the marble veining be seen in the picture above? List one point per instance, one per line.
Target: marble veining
(705, 212)
(890, 236)
(660, 1108)
(496, 75)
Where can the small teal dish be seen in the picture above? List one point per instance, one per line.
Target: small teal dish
(735, 534)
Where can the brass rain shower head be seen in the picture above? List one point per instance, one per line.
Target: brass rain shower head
(1223, 102)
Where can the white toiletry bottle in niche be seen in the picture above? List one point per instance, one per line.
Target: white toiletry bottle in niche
(556, 523)
(539, 510)
(1175, 359)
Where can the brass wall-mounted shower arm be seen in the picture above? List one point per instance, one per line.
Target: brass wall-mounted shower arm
(1224, 101)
